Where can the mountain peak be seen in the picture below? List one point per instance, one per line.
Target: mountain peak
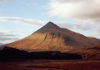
(51, 25)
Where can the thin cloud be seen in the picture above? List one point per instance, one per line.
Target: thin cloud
(7, 38)
(1, 1)
(13, 31)
(31, 22)
(64, 1)
(75, 26)
(72, 25)
(25, 3)
(96, 29)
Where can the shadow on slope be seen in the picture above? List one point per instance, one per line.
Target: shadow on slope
(91, 52)
(11, 53)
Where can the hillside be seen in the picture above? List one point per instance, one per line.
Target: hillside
(52, 37)
(91, 52)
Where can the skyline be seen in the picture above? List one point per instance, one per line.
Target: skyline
(21, 18)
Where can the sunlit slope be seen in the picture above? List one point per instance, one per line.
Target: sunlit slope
(52, 37)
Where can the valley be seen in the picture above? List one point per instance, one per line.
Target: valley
(50, 65)
(51, 48)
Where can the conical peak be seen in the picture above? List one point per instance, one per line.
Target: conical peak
(51, 25)
(48, 27)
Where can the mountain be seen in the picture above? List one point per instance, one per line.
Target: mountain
(1, 43)
(91, 52)
(52, 37)
(1, 47)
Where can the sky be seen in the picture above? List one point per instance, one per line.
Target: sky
(20, 18)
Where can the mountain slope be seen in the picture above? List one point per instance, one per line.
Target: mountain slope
(52, 37)
(91, 52)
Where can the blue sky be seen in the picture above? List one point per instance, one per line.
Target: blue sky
(20, 18)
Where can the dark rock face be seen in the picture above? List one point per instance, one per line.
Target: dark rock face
(52, 37)
(11, 53)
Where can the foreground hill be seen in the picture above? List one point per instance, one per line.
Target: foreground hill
(52, 37)
(92, 52)
(11, 53)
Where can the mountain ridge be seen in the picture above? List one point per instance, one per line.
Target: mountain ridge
(52, 37)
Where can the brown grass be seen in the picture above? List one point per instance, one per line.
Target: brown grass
(52, 37)
(51, 65)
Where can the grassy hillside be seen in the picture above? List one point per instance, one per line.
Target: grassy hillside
(91, 52)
